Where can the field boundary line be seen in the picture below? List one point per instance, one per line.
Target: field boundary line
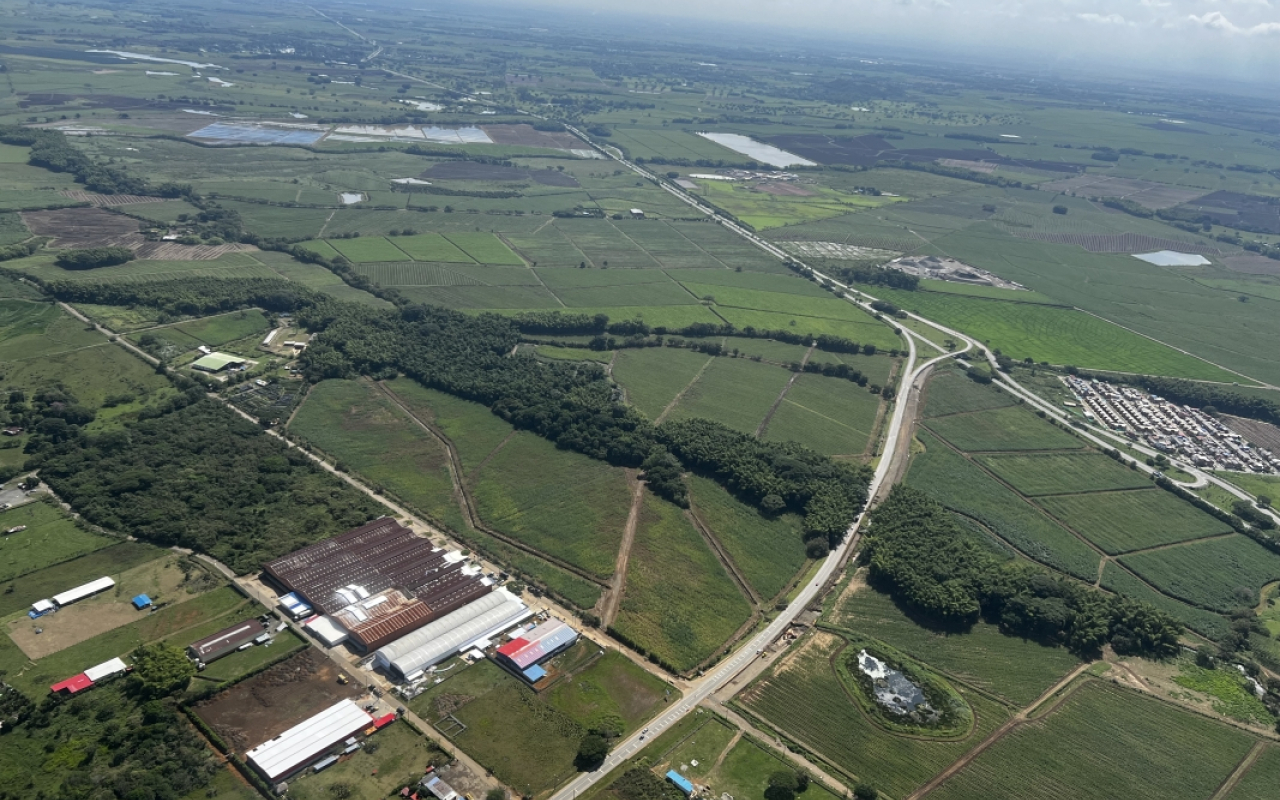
(755, 736)
(702, 249)
(1239, 772)
(298, 407)
(327, 220)
(680, 395)
(725, 559)
(1172, 545)
(1018, 720)
(476, 469)
(795, 376)
(611, 598)
(468, 504)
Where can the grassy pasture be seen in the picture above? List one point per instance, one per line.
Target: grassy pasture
(802, 697)
(1053, 334)
(472, 428)
(830, 415)
(320, 247)
(653, 376)
(685, 626)
(1036, 474)
(962, 486)
(1206, 623)
(360, 427)
(769, 552)
(778, 302)
(950, 391)
(733, 391)
(612, 686)
(50, 580)
(647, 294)
(1119, 522)
(1105, 742)
(91, 374)
(755, 281)
(401, 755)
(33, 329)
(559, 502)
(777, 352)
(216, 331)
(576, 591)
(119, 641)
(1016, 669)
(1009, 428)
(746, 769)
(50, 538)
(369, 248)
(1219, 574)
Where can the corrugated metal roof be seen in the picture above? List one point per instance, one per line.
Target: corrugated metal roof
(226, 638)
(106, 669)
(534, 674)
(83, 591)
(73, 684)
(680, 781)
(428, 645)
(216, 361)
(539, 643)
(303, 742)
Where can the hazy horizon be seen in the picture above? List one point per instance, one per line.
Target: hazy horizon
(1236, 39)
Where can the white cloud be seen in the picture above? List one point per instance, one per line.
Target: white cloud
(1217, 21)
(1103, 19)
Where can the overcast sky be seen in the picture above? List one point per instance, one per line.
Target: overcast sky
(1237, 38)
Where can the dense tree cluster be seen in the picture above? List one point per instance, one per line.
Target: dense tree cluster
(94, 257)
(202, 477)
(879, 276)
(953, 172)
(918, 553)
(190, 296)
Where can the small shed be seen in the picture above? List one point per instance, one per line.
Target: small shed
(637, 213)
(681, 782)
(534, 674)
(141, 601)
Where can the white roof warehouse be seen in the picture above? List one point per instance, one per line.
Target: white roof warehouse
(308, 740)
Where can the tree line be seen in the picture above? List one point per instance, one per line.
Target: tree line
(919, 554)
(51, 150)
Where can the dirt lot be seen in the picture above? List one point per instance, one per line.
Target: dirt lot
(271, 702)
(1263, 434)
(86, 619)
(784, 189)
(527, 136)
(475, 171)
(84, 227)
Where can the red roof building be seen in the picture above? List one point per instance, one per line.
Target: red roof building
(72, 685)
(537, 645)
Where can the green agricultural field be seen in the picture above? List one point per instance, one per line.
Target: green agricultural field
(1256, 485)
(509, 299)
(50, 538)
(1105, 741)
(989, 292)
(769, 552)
(219, 330)
(512, 731)
(962, 486)
(574, 354)
(1260, 782)
(734, 391)
(474, 430)
(684, 627)
(802, 698)
(1054, 334)
(1218, 574)
(1016, 669)
(572, 589)
(49, 581)
(370, 248)
(431, 247)
(320, 247)
(777, 301)
(868, 332)
(91, 374)
(1010, 428)
(645, 294)
(360, 427)
(561, 278)
(747, 768)
(556, 501)
(1119, 522)
(703, 746)
(950, 391)
(777, 352)
(831, 415)
(485, 248)
(1115, 578)
(1036, 474)
(789, 283)
(653, 376)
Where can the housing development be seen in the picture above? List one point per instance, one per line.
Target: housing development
(505, 402)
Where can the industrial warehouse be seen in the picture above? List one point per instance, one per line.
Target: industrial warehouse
(305, 743)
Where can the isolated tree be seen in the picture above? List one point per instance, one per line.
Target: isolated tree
(783, 785)
(160, 670)
(591, 752)
(865, 791)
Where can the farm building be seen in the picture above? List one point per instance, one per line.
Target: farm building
(378, 582)
(224, 642)
(307, 741)
(294, 606)
(682, 783)
(41, 607)
(452, 633)
(438, 788)
(91, 676)
(326, 629)
(217, 362)
(141, 601)
(525, 652)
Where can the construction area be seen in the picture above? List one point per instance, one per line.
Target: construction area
(940, 268)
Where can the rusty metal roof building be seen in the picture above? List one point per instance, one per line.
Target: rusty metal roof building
(225, 641)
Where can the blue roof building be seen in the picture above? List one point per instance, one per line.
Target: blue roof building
(141, 601)
(682, 783)
(534, 674)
